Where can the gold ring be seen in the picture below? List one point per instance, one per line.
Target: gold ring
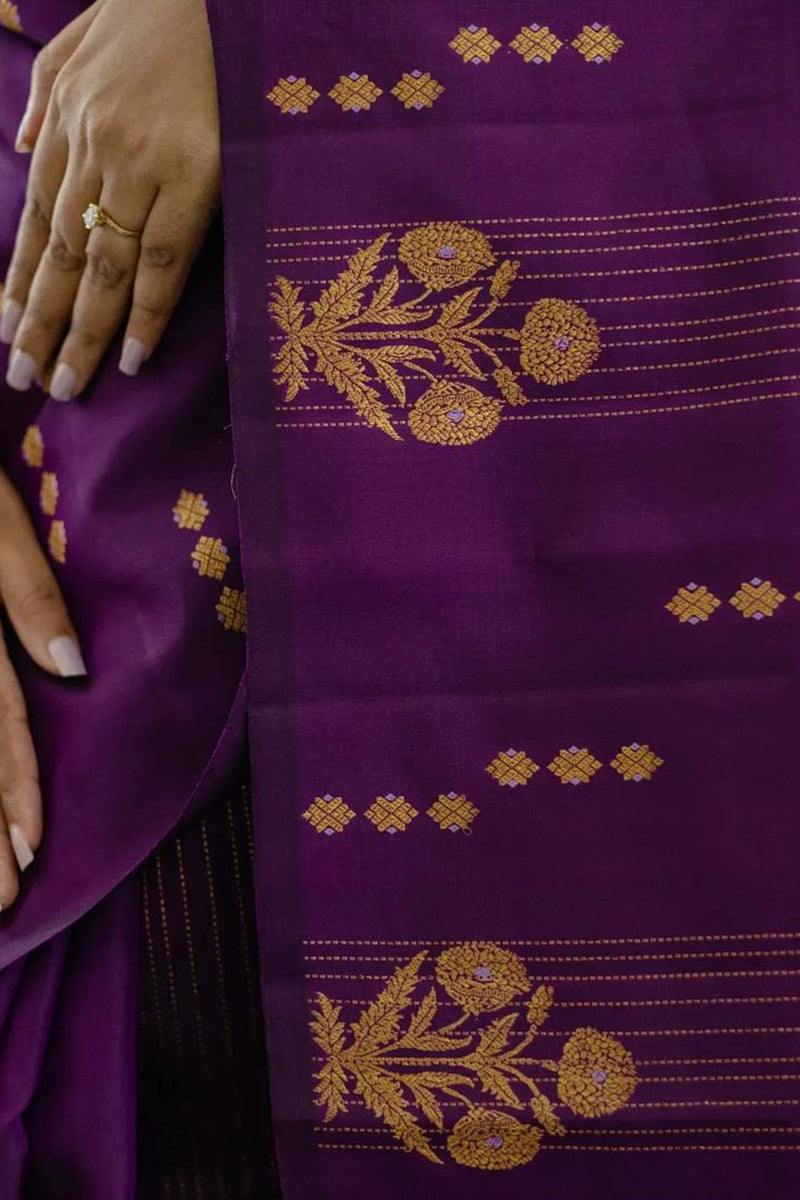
(96, 216)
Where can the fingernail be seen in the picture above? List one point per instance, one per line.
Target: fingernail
(65, 653)
(20, 372)
(9, 320)
(19, 844)
(21, 143)
(62, 385)
(132, 356)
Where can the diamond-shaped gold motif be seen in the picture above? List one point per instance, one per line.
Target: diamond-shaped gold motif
(417, 89)
(57, 541)
(355, 93)
(391, 814)
(231, 609)
(597, 43)
(190, 510)
(9, 16)
(292, 95)
(33, 446)
(636, 763)
(475, 44)
(329, 814)
(512, 768)
(575, 765)
(536, 44)
(693, 604)
(453, 813)
(757, 599)
(210, 558)
(48, 493)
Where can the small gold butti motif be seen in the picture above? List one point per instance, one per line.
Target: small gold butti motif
(405, 1061)
(757, 599)
(512, 768)
(454, 414)
(475, 44)
(355, 93)
(636, 763)
(293, 95)
(596, 1074)
(33, 446)
(575, 765)
(329, 814)
(597, 43)
(57, 541)
(536, 44)
(693, 604)
(48, 493)
(190, 510)
(210, 558)
(453, 813)
(445, 254)
(391, 814)
(560, 341)
(231, 609)
(417, 89)
(9, 16)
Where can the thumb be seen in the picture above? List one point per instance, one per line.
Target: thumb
(46, 66)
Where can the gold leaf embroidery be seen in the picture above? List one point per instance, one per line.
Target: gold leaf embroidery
(291, 363)
(33, 446)
(190, 510)
(9, 16)
(57, 541)
(48, 493)
(597, 43)
(231, 609)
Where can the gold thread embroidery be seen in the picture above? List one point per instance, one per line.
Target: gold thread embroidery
(190, 510)
(574, 766)
(231, 609)
(418, 90)
(391, 814)
(32, 448)
(475, 44)
(403, 1065)
(48, 493)
(453, 813)
(454, 415)
(757, 599)
(210, 557)
(329, 814)
(693, 604)
(9, 16)
(57, 541)
(597, 43)
(512, 768)
(355, 93)
(293, 96)
(636, 763)
(560, 341)
(536, 44)
(445, 254)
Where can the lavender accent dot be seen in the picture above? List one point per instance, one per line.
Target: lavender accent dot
(575, 782)
(756, 582)
(599, 1076)
(391, 829)
(597, 26)
(535, 28)
(291, 79)
(446, 252)
(511, 752)
(356, 108)
(494, 1143)
(638, 778)
(512, 783)
(635, 746)
(390, 796)
(416, 74)
(758, 616)
(694, 620)
(476, 61)
(452, 796)
(573, 749)
(456, 415)
(293, 112)
(220, 617)
(691, 587)
(454, 828)
(354, 75)
(483, 974)
(176, 518)
(327, 796)
(562, 343)
(472, 28)
(538, 59)
(195, 565)
(417, 105)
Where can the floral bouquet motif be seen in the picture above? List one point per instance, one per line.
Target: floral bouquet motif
(400, 1063)
(357, 335)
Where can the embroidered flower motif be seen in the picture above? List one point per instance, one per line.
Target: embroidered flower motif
(355, 93)
(453, 813)
(475, 44)
(444, 254)
(190, 510)
(231, 609)
(454, 414)
(597, 43)
(493, 1141)
(560, 341)
(693, 603)
(417, 89)
(536, 44)
(481, 976)
(391, 814)
(596, 1074)
(757, 599)
(33, 446)
(9, 16)
(293, 96)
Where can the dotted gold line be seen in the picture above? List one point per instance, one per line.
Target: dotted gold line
(590, 941)
(702, 337)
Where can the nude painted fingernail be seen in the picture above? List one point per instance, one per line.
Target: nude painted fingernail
(20, 846)
(132, 356)
(9, 320)
(62, 385)
(21, 143)
(65, 653)
(21, 370)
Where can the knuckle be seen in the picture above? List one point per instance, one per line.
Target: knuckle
(39, 600)
(158, 254)
(104, 271)
(61, 256)
(38, 209)
(44, 65)
(85, 337)
(150, 312)
(38, 319)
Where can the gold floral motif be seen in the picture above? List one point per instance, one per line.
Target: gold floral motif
(453, 813)
(475, 44)
(445, 254)
(190, 510)
(454, 414)
(390, 814)
(596, 1074)
(481, 977)
(560, 341)
(57, 541)
(231, 610)
(757, 599)
(402, 1061)
(355, 93)
(693, 604)
(417, 89)
(210, 557)
(512, 768)
(293, 96)
(636, 763)
(597, 43)
(575, 765)
(9, 16)
(536, 44)
(33, 446)
(329, 814)
(493, 1141)
(48, 493)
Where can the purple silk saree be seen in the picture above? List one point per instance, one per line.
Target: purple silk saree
(512, 327)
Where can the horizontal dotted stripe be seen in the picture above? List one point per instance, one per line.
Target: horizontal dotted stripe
(588, 941)
(674, 975)
(602, 958)
(700, 337)
(696, 362)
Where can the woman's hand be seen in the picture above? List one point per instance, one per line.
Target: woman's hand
(122, 113)
(36, 610)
